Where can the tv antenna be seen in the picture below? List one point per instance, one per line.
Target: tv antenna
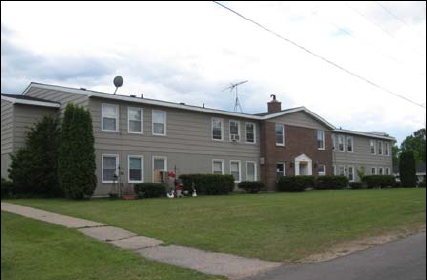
(237, 102)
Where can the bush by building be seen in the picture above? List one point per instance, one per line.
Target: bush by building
(407, 172)
(251, 186)
(295, 183)
(150, 190)
(208, 184)
(331, 182)
(379, 181)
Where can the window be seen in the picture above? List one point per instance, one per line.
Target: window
(341, 171)
(321, 170)
(341, 143)
(380, 147)
(159, 164)
(372, 146)
(217, 131)
(349, 144)
(110, 117)
(235, 170)
(373, 171)
(251, 171)
(250, 132)
(234, 131)
(333, 142)
(134, 120)
(280, 169)
(135, 169)
(218, 166)
(159, 122)
(320, 140)
(387, 171)
(280, 135)
(350, 173)
(387, 148)
(380, 171)
(110, 165)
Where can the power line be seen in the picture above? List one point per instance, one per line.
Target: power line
(398, 18)
(369, 44)
(382, 29)
(319, 56)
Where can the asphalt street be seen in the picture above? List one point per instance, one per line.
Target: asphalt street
(404, 259)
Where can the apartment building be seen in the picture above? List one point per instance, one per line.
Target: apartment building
(135, 137)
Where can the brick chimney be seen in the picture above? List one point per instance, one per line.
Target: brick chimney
(274, 106)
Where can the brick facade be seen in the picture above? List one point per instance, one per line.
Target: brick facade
(298, 140)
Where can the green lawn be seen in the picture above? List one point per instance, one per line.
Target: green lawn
(276, 226)
(35, 250)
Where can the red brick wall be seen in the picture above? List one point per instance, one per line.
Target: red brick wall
(298, 140)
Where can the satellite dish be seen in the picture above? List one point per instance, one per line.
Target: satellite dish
(118, 82)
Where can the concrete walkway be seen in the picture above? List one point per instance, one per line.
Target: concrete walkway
(234, 267)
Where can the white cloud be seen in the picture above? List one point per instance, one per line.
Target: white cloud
(189, 52)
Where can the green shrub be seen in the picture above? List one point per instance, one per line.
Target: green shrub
(407, 170)
(331, 182)
(33, 169)
(398, 184)
(208, 184)
(6, 188)
(295, 183)
(357, 185)
(379, 181)
(422, 184)
(251, 187)
(149, 190)
(77, 165)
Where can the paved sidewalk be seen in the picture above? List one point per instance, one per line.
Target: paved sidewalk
(234, 267)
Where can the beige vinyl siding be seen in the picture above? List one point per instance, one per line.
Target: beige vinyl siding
(25, 116)
(361, 156)
(188, 144)
(6, 128)
(57, 96)
(300, 119)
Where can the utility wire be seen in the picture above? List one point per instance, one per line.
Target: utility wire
(398, 18)
(319, 56)
(368, 43)
(382, 29)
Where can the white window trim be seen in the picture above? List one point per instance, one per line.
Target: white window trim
(142, 168)
(222, 128)
(354, 173)
(343, 143)
(334, 142)
(387, 149)
(387, 171)
(255, 170)
(345, 171)
(382, 147)
(375, 147)
(222, 164)
(334, 169)
(152, 165)
(229, 130)
(283, 133)
(323, 173)
(117, 117)
(142, 124)
(240, 170)
(152, 122)
(102, 165)
(376, 173)
(246, 134)
(323, 139)
(352, 144)
(382, 169)
(284, 167)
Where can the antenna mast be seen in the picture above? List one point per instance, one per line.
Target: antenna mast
(237, 101)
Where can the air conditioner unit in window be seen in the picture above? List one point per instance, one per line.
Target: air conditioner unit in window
(235, 137)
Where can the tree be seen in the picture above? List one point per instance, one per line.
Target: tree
(77, 153)
(395, 151)
(417, 143)
(407, 171)
(34, 168)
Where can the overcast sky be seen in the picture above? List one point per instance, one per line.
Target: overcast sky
(190, 51)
